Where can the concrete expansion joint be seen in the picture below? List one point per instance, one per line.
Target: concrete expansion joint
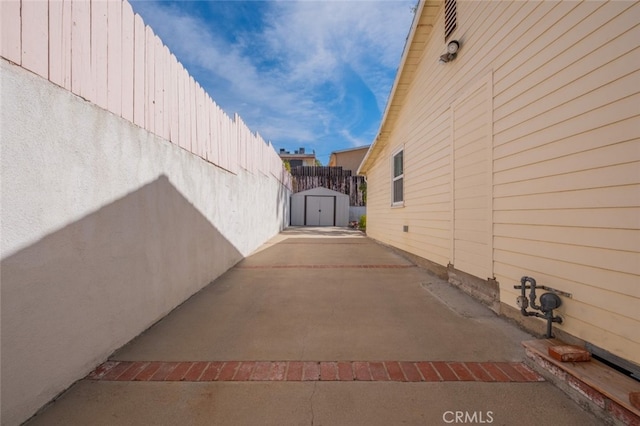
(313, 393)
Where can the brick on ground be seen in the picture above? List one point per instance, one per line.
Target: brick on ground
(569, 353)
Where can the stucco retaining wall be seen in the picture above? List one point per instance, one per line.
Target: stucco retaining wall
(105, 229)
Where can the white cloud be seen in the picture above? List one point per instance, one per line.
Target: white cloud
(317, 36)
(309, 44)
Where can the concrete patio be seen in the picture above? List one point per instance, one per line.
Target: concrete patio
(328, 302)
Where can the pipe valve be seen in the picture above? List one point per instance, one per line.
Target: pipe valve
(548, 302)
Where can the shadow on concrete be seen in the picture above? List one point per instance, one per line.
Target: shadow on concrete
(72, 298)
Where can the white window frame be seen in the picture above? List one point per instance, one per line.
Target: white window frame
(395, 178)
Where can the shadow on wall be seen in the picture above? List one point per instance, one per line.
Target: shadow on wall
(73, 297)
(283, 200)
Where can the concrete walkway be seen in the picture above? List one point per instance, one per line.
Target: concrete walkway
(320, 327)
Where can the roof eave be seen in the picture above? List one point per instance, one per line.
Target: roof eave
(408, 49)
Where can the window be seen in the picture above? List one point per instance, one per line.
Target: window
(449, 18)
(398, 178)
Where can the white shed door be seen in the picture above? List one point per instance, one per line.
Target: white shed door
(320, 211)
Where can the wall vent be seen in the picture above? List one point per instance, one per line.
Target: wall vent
(450, 15)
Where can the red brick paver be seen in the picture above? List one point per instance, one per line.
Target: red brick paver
(116, 371)
(395, 371)
(428, 372)
(102, 370)
(196, 370)
(278, 371)
(262, 371)
(328, 371)
(345, 371)
(211, 372)
(244, 372)
(478, 372)
(311, 371)
(361, 370)
(411, 371)
(447, 374)
(513, 374)
(378, 372)
(296, 371)
(228, 370)
(462, 371)
(527, 372)
(148, 372)
(165, 369)
(132, 371)
(178, 373)
(495, 372)
(326, 267)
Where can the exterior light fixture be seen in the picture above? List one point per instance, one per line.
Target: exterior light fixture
(452, 51)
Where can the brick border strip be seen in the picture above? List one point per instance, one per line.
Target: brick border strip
(326, 267)
(295, 371)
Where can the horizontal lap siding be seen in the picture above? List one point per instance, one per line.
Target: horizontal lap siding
(426, 191)
(378, 196)
(428, 167)
(471, 187)
(424, 127)
(566, 157)
(567, 170)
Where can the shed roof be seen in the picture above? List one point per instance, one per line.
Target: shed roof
(320, 191)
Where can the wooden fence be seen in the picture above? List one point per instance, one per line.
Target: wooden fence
(334, 178)
(103, 52)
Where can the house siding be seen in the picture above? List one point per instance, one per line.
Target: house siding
(471, 247)
(563, 158)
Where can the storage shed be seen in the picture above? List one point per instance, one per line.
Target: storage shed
(319, 207)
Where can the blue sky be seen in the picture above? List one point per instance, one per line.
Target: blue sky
(313, 74)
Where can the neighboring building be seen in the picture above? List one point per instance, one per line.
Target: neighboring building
(298, 158)
(519, 155)
(348, 159)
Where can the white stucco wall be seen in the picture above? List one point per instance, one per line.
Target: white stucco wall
(105, 229)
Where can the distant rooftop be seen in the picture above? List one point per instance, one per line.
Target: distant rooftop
(298, 152)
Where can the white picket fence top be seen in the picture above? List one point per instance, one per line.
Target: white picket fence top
(103, 52)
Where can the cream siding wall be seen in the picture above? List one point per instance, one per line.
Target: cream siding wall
(472, 245)
(566, 156)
